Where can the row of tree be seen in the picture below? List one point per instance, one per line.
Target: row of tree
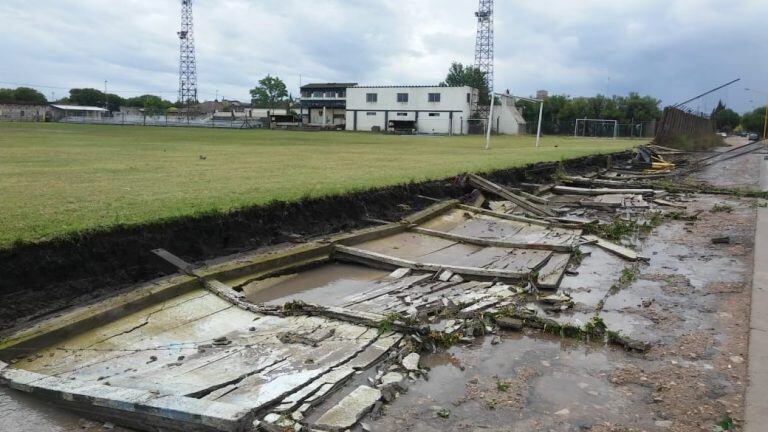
(22, 94)
(559, 110)
(90, 97)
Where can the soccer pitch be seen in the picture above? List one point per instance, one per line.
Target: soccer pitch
(58, 178)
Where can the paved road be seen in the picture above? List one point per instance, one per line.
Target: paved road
(757, 392)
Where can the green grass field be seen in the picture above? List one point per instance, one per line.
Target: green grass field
(58, 179)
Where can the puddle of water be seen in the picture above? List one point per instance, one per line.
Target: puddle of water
(407, 245)
(322, 285)
(634, 296)
(22, 413)
(597, 273)
(542, 376)
(672, 257)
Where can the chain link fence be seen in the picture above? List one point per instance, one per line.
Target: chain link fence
(170, 121)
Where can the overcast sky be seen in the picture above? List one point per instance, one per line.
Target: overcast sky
(671, 49)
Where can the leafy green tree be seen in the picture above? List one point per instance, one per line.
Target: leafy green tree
(725, 119)
(152, 105)
(270, 93)
(94, 97)
(754, 121)
(460, 75)
(22, 94)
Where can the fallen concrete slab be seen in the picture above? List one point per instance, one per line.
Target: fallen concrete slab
(349, 410)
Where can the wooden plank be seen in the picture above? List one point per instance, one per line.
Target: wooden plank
(614, 184)
(666, 203)
(552, 273)
(598, 204)
(177, 262)
(505, 216)
(516, 198)
(430, 212)
(366, 257)
(492, 242)
(619, 250)
(568, 190)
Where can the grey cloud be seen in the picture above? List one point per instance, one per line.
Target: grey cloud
(668, 48)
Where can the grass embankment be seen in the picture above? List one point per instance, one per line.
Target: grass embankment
(58, 179)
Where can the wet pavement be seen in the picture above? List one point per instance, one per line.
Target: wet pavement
(22, 413)
(526, 383)
(691, 301)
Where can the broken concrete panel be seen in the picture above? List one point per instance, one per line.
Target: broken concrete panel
(508, 323)
(445, 276)
(411, 362)
(349, 410)
(400, 273)
(552, 273)
(392, 379)
(138, 406)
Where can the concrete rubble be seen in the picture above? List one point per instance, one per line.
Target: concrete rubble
(340, 323)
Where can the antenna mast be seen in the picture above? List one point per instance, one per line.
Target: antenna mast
(484, 45)
(187, 63)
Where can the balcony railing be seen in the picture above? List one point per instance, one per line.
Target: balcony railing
(323, 97)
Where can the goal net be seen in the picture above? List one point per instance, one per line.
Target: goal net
(596, 128)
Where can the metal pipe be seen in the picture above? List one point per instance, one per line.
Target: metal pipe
(538, 131)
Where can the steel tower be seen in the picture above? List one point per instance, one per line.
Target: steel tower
(187, 63)
(484, 42)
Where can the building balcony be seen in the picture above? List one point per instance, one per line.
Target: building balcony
(323, 98)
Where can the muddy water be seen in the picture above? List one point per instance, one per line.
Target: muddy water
(22, 413)
(523, 384)
(321, 285)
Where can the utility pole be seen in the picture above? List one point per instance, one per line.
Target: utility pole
(106, 96)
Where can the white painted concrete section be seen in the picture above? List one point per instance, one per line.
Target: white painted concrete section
(757, 392)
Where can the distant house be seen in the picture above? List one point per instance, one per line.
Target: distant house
(63, 112)
(507, 118)
(24, 111)
(420, 109)
(324, 104)
(209, 107)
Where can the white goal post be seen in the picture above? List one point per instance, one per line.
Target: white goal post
(598, 124)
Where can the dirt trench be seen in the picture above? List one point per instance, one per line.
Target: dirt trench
(39, 279)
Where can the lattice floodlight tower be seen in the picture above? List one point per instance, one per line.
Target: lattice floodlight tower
(187, 63)
(484, 46)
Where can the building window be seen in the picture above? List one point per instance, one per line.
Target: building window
(402, 114)
(434, 97)
(402, 97)
(434, 114)
(317, 95)
(370, 113)
(469, 97)
(372, 97)
(21, 113)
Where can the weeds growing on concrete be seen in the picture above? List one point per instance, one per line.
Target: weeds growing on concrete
(616, 230)
(722, 208)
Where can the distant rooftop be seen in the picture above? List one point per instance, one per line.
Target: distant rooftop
(77, 108)
(327, 85)
(407, 86)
